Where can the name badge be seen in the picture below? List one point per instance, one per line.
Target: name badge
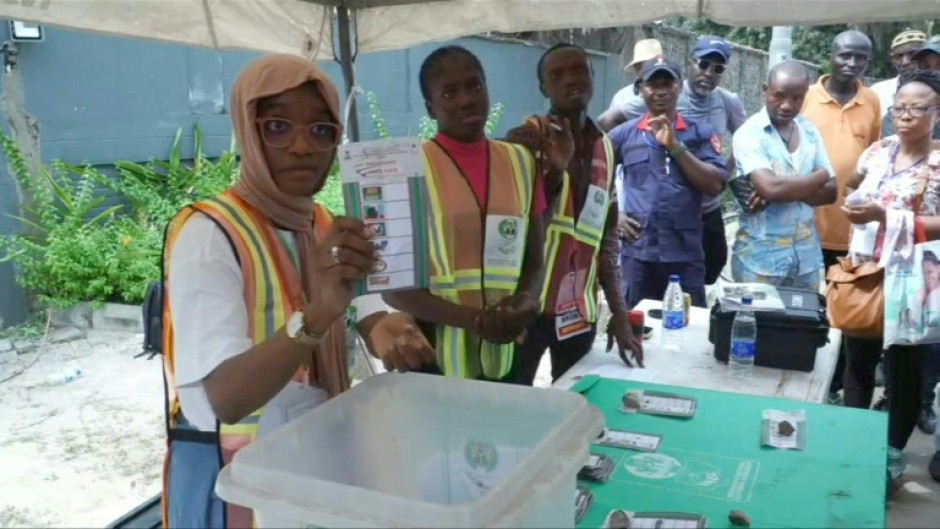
(570, 311)
(594, 212)
(505, 241)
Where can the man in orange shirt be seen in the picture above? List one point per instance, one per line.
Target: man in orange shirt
(848, 116)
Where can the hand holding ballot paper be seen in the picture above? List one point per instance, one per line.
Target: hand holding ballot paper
(384, 186)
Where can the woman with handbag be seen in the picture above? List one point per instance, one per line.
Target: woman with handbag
(898, 185)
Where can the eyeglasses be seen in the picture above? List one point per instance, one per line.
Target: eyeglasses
(279, 133)
(716, 67)
(915, 112)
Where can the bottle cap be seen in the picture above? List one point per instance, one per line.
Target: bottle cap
(747, 300)
(674, 278)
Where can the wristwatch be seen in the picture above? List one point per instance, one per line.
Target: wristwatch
(297, 330)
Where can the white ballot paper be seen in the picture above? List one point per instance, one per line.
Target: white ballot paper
(784, 430)
(384, 186)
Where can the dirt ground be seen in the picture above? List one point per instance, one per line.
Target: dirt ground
(84, 453)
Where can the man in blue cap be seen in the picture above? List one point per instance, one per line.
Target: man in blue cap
(670, 162)
(702, 99)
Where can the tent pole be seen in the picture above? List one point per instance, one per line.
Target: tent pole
(346, 63)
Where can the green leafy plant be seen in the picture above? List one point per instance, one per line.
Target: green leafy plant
(64, 254)
(74, 248)
(331, 196)
(159, 189)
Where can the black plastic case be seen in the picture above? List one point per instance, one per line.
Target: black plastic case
(785, 340)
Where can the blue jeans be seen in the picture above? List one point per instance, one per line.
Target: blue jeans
(647, 280)
(193, 470)
(787, 278)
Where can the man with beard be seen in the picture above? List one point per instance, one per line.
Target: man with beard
(702, 99)
(783, 156)
(848, 115)
(670, 162)
(582, 247)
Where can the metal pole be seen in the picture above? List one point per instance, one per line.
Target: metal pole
(346, 63)
(781, 45)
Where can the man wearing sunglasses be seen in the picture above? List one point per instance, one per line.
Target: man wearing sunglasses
(701, 99)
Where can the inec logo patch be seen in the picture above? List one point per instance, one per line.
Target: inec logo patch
(481, 456)
(509, 229)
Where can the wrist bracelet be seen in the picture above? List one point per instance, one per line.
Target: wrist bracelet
(678, 151)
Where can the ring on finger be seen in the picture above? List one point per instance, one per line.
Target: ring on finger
(334, 253)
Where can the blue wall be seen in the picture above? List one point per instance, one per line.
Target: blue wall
(102, 99)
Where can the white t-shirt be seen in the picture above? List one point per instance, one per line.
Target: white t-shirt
(885, 91)
(210, 323)
(623, 97)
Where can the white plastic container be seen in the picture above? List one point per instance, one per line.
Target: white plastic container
(412, 450)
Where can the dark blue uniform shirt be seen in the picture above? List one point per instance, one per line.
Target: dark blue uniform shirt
(667, 206)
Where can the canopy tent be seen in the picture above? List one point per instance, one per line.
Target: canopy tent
(313, 28)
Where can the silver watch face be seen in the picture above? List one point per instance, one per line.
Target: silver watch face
(295, 325)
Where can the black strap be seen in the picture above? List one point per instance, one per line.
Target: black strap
(193, 436)
(183, 434)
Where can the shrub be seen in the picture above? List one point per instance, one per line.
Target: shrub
(75, 248)
(64, 255)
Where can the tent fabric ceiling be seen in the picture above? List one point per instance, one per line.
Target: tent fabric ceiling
(305, 27)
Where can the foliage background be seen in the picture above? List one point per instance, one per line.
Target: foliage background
(75, 248)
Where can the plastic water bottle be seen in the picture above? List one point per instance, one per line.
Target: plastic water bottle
(743, 341)
(63, 377)
(673, 314)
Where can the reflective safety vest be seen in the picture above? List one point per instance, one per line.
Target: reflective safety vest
(460, 273)
(272, 292)
(573, 244)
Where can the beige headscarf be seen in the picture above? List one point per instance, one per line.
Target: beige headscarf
(265, 77)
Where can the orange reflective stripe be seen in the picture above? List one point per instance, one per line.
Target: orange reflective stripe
(569, 247)
(457, 234)
(271, 291)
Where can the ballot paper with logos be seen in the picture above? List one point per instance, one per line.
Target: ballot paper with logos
(384, 186)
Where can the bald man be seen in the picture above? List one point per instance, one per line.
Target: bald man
(848, 115)
(784, 158)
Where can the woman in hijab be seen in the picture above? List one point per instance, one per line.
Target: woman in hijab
(259, 281)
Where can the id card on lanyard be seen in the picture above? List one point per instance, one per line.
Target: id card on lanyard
(570, 312)
(505, 242)
(570, 309)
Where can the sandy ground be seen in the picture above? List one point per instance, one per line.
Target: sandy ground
(84, 453)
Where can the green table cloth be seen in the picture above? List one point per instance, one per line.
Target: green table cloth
(714, 462)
